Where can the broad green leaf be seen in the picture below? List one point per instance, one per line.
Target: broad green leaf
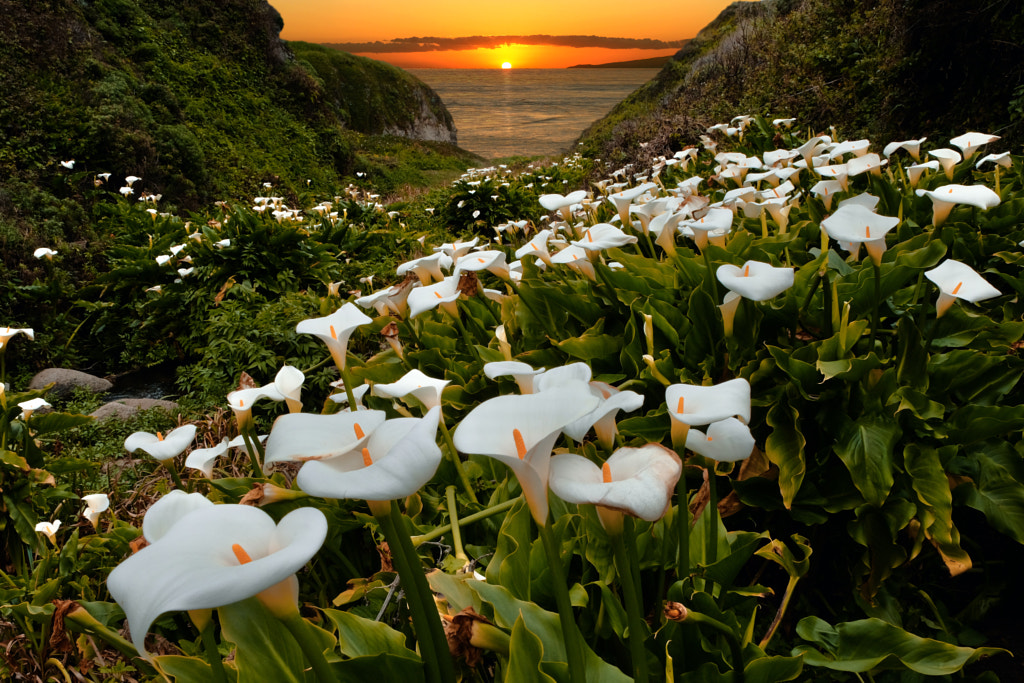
(861, 646)
(977, 423)
(183, 669)
(381, 667)
(779, 552)
(14, 460)
(929, 481)
(57, 422)
(510, 566)
(592, 344)
(998, 495)
(526, 652)
(358, 636)
(265, 650)
(865, 447)
(785, 449)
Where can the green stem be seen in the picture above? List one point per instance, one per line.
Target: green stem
(711, 273)
(570, 632)
(475, 517)
(876, 317)
(735, 647)
(453, 514)
(346, 377)
(299, 629)
(682, 525)
(712, 509)
(471, 347)
(425, 619)
(213, 654)
(169, 464)
(463, 477)
(250, 449)
(634, 606)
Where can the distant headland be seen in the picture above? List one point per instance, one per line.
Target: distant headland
(650, 63)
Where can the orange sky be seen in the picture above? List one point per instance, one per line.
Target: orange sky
(337, 21)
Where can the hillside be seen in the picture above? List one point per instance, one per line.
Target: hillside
(649, 63)
(202, 100)
(886, 70)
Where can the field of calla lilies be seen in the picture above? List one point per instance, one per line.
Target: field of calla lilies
(677, 425)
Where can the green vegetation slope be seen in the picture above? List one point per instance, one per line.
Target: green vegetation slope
(883, 69)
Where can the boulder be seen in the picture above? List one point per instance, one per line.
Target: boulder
(65, 381)
(126, 407)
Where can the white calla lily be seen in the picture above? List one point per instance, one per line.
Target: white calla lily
(301, 437)
(334, 330)
(423, 388)
(398, 459)
(160, 446)
(726, 440)
(202, 459)
(957, 280)
(211, 557)
(946, 197)
(756, 281)
(165, 513)
(637, 481)
(95, 505)
(520, 431)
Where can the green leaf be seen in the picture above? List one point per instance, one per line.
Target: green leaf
(266, 651)
(998, 495)
(382, 667)
(785, 449)
(778, 552)
(14, 460)
(358, 636)
(865, 447)
(190, 669)
(510, 565)
(592, 344)
(929, 481)
(977, 423)
(57, 422)
(860, 646)
(526, 652)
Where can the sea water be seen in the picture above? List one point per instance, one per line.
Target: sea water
(528, 112)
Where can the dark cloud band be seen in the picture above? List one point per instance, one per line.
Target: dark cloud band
(434, 44)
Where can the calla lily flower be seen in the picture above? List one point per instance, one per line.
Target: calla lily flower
(357, 393)
(603, 236)
(867, 163)
(915, 172)
(426, 268)
(303, 436)
(948, 196)
(165, 513)
(44, 252)
(726, 440)
(826, 190)
(159, 446)
(755, 280)
(538, 246)
(202, 459)
(969, 143)
(523, 373)
(425, 389)
(556, 202)
(49, 529)
(636, 481)
(690, 404)
(444, 293)
(241, 401)
(858, 148)
(6, 333)
(855, 223)
(399, 458)
(520, 431)
(95, 505)
(1002, 159)
(335, 330)
(288, 383)
(957, 280)
(31, 406)
(602, 418)
(947, 158)
(563, 375)
(913, 148)
(491, 261)
(577, 259)
(457, 250)
(213, 556)
(713, 220)
(624, 198)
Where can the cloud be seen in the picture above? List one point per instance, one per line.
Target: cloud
(434, 44)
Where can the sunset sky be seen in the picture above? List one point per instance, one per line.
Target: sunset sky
(533, 33)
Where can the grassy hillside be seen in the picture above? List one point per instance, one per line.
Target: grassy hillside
(887, 70)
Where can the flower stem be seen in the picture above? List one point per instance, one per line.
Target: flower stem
(426, 622)
(570, 632)
(169, 464)
(463, 477)
(250, 449)
(453, 514)
(213, 654)
(738, 675)
(299, 629)
(875, 321)
(634, 603)
(682, 521)
(475, 517)
(712, 509)
(786, 597)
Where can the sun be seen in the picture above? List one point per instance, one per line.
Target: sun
(506, 65)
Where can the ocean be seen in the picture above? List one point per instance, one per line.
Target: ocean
(528, 112)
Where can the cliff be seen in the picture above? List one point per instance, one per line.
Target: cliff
(882, 69)
(202, 99)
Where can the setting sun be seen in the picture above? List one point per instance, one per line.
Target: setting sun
(506, 65)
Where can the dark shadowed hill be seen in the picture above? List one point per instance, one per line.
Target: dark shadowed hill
(883, 69)
(199, 98)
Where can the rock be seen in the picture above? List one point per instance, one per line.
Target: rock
(65, 381)
(126, 407)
